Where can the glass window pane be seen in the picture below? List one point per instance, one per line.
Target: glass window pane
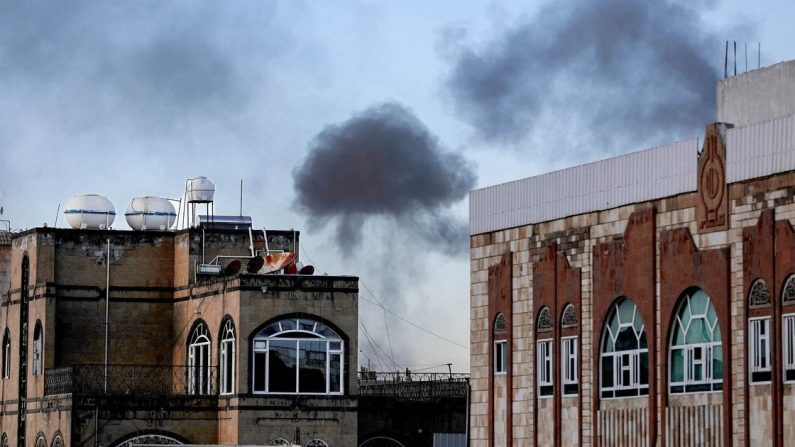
(699, 302)
(677, 365)
(679, 334)
(717, 362)
(335, 345)
(607, 371)
(282, 367)
(644, 368)
(626, 311)
(259, 371)
(312, 366)
(626, 340)
(698, 332)
(335, 365)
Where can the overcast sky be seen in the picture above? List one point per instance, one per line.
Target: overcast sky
(362, 124)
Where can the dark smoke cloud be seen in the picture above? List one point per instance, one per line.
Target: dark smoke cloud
(615, 72)
(384, 164)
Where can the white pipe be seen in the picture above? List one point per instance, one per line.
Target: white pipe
(107, 313)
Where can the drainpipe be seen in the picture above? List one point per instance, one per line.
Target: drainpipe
(107, 313)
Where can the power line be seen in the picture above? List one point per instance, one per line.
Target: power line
(415, 325)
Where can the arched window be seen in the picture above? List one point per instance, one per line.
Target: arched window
(227, 360)
(759, 333)
(7, 354)
(57, 440)
(544, 349)
(41, 441)
(37, 349)
(298, 356)
(316, 443)
(696, 354)
(199, 360)
(625, 352)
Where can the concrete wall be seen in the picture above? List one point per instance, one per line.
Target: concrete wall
(756, 96)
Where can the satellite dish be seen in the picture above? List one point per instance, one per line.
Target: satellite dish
(307, 270)
(255, 264)
(232, 268)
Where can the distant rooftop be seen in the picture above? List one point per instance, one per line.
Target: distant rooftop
(5, 237)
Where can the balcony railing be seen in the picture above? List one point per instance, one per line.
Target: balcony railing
(410, 385)
(151, 380)
(131, 380)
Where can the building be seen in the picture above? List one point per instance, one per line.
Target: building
(118, 338)
(647, 299)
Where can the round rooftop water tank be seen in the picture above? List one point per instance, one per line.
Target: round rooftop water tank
(150, 213)
(89, 211)
(200, 190)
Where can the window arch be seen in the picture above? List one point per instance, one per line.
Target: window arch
(7, 354)
(696, 353)
(544, 323)
(57, 439)
(199, 359)
(788, 291)
(381, 441)
(298, 356)
(759, 295)
(227, 358)
(41, 441)
(281, 441)
(316, 443)
(38, 353)
(569, 317)
(4, 440)
(625, 352)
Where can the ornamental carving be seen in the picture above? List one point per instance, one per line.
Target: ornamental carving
(544, 320)
(151, 439)
(760, 295)
(569, 317)
(280, 441)
(500, 325)
(57, 441)
(788, 296)
(712, 191)
(316, 443)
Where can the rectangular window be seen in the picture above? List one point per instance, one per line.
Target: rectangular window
(788, 333)
(568, 360)
(500, 360)
(544, 367)
(228, 366)
(759, 349)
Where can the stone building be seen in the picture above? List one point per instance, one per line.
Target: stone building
(647, 299)
(174, 355)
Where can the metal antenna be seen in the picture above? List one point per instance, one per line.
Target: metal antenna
(726, 62)
(735, 58)
(759, 56)
(746, 57)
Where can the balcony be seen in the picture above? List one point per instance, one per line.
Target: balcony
(138, 380)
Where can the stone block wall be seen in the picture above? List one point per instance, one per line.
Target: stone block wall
(732, 416)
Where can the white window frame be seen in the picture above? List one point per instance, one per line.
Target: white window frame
(755, 338)
(617, 358)
(38, 335)
(199, 355)
(544, 373)
(7, 355)
(500, 357)
(689, 351)
(569, 360)
(227, 351)
(300, 326)
(788, 344)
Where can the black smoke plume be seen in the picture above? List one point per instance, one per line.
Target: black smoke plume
(384, 164)
(612, 72)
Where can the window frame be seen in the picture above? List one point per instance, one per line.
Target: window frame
(754, 338)
(618, 389)
(570, 363)
(227, 362)
(788, 347)
(7, 354)
(689, 383)
(199, 341)
(335, 349)
(545, 375)
(500, 357)
(38, 349)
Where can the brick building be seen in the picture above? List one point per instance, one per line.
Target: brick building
(224, 358)
(647, 299)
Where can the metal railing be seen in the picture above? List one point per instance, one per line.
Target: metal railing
(131, 380)
(408, 385)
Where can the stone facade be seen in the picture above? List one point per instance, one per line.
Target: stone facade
(156, 299)
(719, 238)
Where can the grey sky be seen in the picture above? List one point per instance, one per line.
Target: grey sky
(131, 98)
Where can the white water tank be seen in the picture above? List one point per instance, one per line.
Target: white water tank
(200, 190)
(89, 211)
(150, 213)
